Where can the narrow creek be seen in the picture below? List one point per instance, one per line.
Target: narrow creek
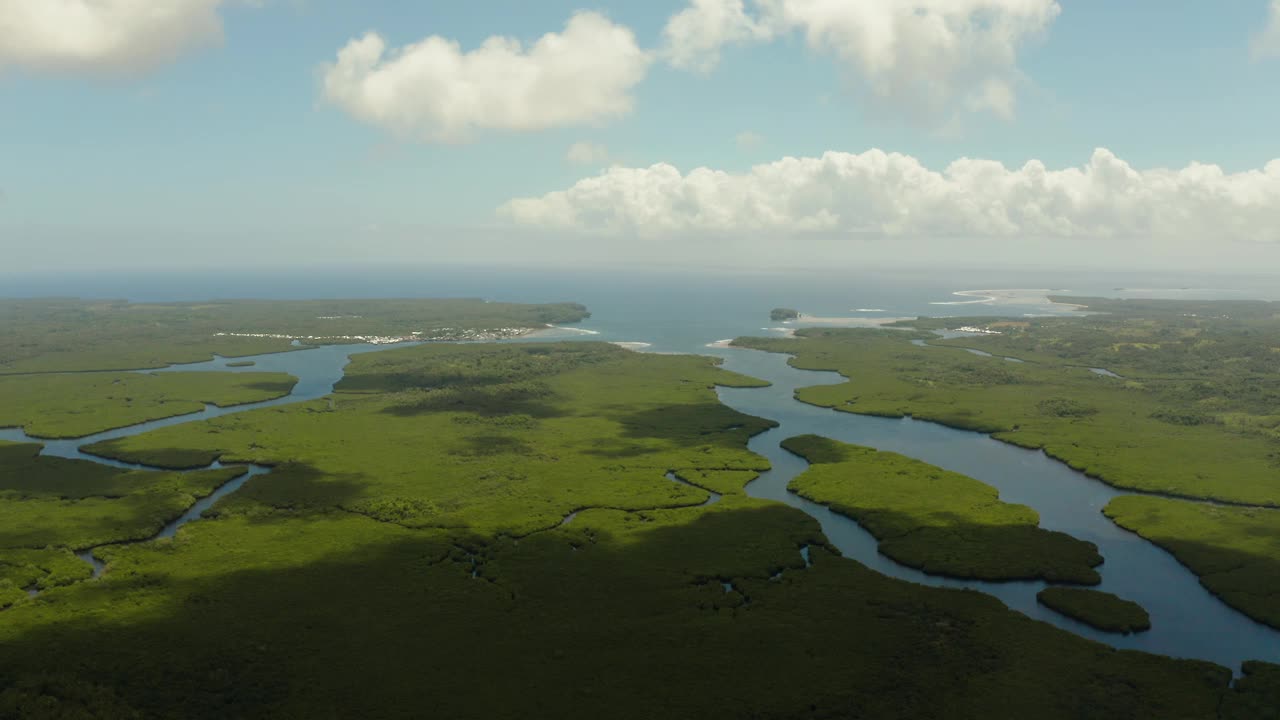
(1187, 621)
(317, 370)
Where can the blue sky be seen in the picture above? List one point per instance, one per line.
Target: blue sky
(233, 140)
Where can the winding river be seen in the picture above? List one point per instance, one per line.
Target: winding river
(317, 370)
(1187, 621)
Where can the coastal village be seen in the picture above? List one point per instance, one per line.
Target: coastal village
(437, 335)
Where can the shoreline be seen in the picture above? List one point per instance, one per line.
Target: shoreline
(1009, 296)
(553, 330)
(806, 320)
(443, 335)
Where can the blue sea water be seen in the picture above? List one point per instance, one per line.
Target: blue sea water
(676, 310)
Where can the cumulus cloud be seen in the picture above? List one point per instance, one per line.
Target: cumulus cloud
(1267, 42)
(432, 90)
(931, 57)
(103, 35)
(893, 195)
(587, 153)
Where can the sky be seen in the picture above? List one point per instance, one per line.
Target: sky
(736, 133)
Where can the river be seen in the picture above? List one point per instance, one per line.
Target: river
(1187, 621)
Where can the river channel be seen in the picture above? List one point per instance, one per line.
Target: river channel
(1187, 621)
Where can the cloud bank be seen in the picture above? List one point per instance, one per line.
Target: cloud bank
(103, 35)
(932, 58)
(888, 194)
(432, 90)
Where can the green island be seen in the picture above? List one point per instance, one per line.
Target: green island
(81, 404)
(70, 335)
(241, 364)
(1188, 411)
(938, 521)
(492, 531)
(1234, 550)
(783, 314)
(1101, 610)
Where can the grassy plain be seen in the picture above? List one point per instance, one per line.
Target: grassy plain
(409, 556)
(54, 335)
(1235, 551)
(938, 521)
(76, 405)
(1103, 611)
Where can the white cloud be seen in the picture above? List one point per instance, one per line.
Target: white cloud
(888, 194)
(103, 35)
(432, 90)
(930, 57)
(1267, 42)
(748, 140)
(694, 37)
(587, 153)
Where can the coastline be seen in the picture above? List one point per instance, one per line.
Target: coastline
(1009, 296)
(441, 335)
(556, 331)
(807, 320)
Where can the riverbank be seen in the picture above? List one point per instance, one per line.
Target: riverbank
(415, 545)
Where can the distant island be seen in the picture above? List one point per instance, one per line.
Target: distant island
(783, 314)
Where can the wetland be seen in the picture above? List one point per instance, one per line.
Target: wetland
(442, 476)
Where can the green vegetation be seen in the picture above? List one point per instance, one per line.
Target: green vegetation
(42, 568)
(1103, 611)
(522, 435)
(783, 314)
(1194, 415)
(935, 520)
(53, 335)
(416, 525)
(241, 364)
(50, 506)
(1255, 695)
(1202, 363)
(1113, 429)
(1234, 550)
(76, 405)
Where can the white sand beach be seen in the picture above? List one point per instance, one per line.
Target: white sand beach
(1014, 296)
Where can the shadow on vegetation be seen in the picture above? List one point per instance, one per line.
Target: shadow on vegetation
(709, 421)
(277, 387)
(532, 399)
(294, 487)
(937, 521)
(340, 617)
